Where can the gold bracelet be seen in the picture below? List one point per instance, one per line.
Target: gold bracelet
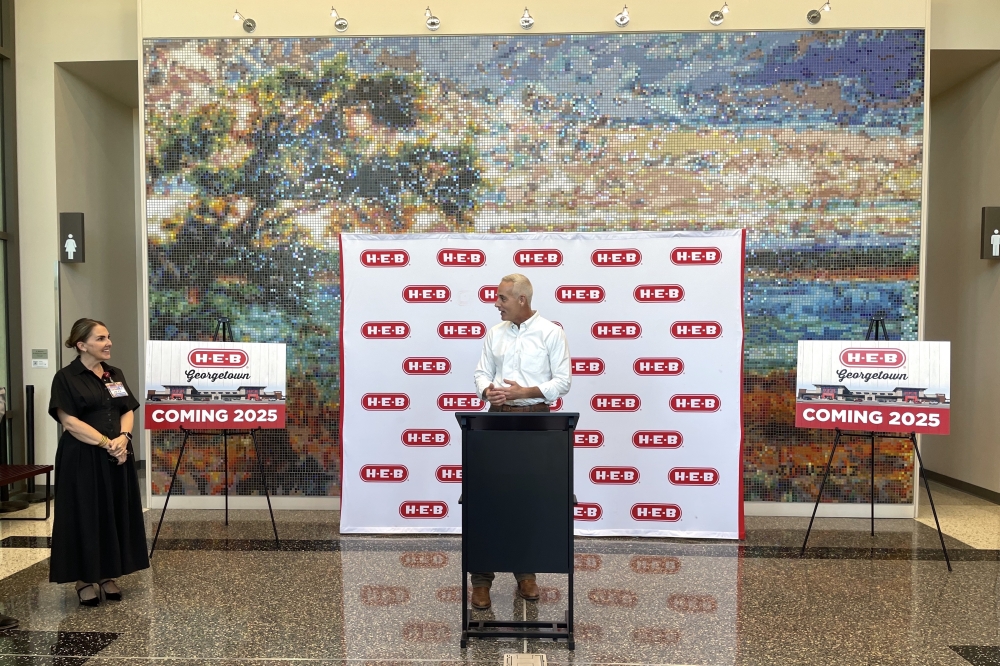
(104, 441)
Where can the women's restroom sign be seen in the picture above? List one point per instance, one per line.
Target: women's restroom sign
(71, 246)
(214, 385)
(884, 386)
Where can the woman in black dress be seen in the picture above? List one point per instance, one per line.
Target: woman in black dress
(98, 532)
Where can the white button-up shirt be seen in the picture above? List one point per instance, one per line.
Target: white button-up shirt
(533, 354)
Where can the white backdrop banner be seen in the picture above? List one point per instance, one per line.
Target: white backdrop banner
(655, 329)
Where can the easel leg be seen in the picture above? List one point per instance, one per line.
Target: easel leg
(873, 483)
(263, 476)
(464, 642)
(570, 641)
(819, 495)
(170, 489)
(913, 440)
(225, 458)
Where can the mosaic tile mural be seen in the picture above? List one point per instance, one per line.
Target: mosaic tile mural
(260, 151)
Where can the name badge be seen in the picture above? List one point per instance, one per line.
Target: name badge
(117, 390)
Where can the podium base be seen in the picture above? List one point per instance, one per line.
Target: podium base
(518, 629)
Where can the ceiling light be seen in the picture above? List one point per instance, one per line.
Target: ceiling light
(526, 21)
(432, 22)
(718, 16)
(814, 16)
(249, 25)
(339, 22)
(621, 20)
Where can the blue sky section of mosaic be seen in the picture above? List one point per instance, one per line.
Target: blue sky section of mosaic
(259, 151)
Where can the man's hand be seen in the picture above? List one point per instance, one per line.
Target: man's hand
(495, 396)
(517, 392)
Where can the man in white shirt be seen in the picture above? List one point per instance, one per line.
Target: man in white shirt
(524, 367)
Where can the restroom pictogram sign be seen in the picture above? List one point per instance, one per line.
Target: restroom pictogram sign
(71, 246)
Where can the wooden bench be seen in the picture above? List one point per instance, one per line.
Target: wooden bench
(13, 473)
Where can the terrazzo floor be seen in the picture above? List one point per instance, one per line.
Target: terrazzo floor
(230, 595)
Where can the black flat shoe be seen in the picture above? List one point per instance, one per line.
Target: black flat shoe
(89, 595)
(7, 622)
(111, 596)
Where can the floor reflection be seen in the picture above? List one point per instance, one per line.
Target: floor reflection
(225, 595)
(59, 648)
(404, 602)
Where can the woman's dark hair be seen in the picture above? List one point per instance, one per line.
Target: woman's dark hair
(81, 330)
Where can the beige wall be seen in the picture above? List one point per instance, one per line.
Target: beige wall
(95, 176)
(962, 291)
(50, 31)
(197, 18)
(965, 24)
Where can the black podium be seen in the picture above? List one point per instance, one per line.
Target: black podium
(517, 508)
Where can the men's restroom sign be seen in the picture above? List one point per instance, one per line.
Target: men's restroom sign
(71, 247)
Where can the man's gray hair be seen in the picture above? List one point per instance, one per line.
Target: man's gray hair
(520, 285)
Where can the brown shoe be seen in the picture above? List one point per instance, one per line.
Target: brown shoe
(481, 598)
(528, 589)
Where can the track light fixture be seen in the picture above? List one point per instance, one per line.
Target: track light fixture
(621, 20)
(526, 21)
(339, 22)
(249, 25)
(432, 22)
(719, 15)
(815, 15)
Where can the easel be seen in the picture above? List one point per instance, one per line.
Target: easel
(874, 324)
(224, 328)
(873, 334)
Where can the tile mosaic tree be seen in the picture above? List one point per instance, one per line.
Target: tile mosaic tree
(260, 151)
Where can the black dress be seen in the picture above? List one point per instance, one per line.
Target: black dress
(98, 530)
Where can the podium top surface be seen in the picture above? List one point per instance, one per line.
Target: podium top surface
(517, 420)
